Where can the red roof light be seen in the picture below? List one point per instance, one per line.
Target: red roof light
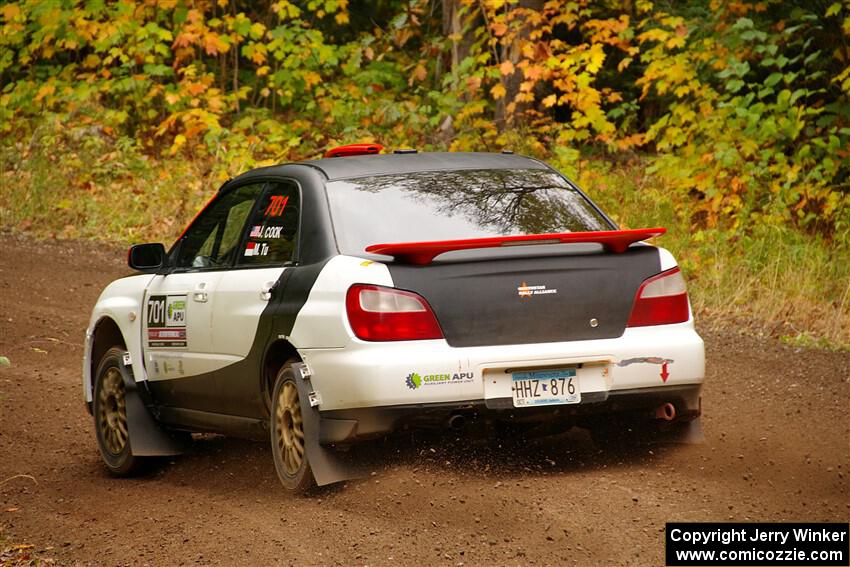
(354, 150)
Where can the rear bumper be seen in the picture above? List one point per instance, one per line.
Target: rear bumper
(418, 373)
(345, 426)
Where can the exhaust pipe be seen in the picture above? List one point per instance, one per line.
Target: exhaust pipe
(667, 412)
(457, 421)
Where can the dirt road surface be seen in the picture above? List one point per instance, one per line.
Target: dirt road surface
(777, 449)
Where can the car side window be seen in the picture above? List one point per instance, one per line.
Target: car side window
(273, 230)
(212, 241)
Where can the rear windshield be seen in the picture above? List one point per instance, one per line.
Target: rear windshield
(448, 205)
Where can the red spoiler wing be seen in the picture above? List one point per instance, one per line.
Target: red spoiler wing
(422, 253)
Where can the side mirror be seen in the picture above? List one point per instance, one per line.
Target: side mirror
(146, 257)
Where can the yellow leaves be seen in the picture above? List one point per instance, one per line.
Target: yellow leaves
(256, 52)
(499, 29)
(672, 21)
(844, 78)
(498, 91)
(179, 142)
(678, 72)
(195, 89)
(533, 72)
(681, 90)
(655, 34)
(595, 59)
(189, 71)
(164, 35)
(257, 30)
(311, 78)
(631, 142)
(677, 40)
(402, 36)
(833, 9)
(215, 103)
(341, 18)
(507, 67)
(608, 31)
(184, 39)
(285, 9)
(44, 91)
(550, 101)
(213, 44)
(10, 12)
(419, 74)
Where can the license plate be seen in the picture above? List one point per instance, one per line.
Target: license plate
(545, 388)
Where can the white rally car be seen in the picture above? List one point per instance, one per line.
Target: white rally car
(329, 301)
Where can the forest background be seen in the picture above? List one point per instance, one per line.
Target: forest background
(727, 122)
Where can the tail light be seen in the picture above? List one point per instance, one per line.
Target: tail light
(661, 300)
(385, 314)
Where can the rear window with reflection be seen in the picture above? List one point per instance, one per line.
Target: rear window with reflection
(449, 205)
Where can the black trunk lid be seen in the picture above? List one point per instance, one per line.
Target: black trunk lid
(531, 299)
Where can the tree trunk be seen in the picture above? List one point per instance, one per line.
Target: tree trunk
(461, 35)
(512, 52)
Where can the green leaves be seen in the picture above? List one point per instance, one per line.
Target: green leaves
(748, 108)
(772, 79)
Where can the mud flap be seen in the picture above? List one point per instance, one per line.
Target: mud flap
(328, 465)
(147, 437)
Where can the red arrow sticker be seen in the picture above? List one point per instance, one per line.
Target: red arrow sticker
(650, 360)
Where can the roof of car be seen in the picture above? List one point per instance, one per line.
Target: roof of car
(385, 164)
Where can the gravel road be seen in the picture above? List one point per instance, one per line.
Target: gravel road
(776, 421)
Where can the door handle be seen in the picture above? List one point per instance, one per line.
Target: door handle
(200, 295)
(267, 290)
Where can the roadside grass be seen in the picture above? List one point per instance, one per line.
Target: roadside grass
(72, 185)
(768, 280)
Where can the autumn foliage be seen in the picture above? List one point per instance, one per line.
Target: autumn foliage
(743, 107)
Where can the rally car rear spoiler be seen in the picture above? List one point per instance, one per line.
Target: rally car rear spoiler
(421, 253)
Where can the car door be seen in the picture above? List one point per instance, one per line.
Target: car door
(242, 316)
(180, 354)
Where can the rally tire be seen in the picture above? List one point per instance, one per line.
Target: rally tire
(287, 434)
(110, 416)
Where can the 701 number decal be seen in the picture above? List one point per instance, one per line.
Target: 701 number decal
(166, 321)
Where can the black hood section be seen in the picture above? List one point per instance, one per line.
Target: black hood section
(478, 303)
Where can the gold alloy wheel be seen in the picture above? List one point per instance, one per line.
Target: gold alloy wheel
(290, 429)
(113, 412)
